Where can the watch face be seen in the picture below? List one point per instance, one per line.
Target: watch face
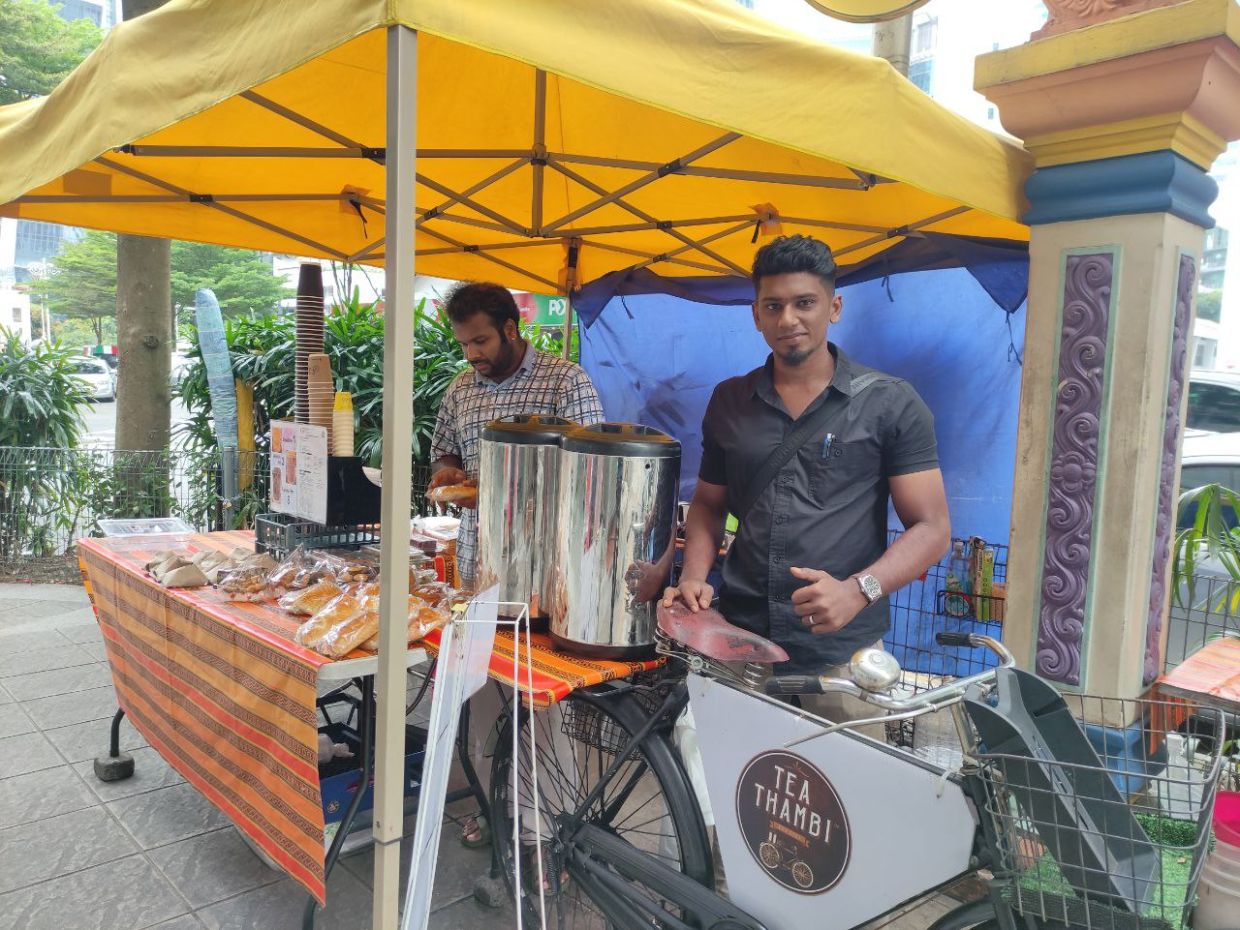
(870, 586)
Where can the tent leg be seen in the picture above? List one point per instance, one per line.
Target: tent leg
(395, 510)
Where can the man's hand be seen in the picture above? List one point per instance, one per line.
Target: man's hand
(696, 595)
(451, 475)
(447, 475)
(826, 604)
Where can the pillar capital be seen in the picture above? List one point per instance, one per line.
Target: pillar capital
(1164, 78)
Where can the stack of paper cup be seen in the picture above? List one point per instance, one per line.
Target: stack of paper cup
(320, 392)
(342, 424)
(309, 331)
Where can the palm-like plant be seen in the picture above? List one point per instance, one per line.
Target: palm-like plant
(39, 397)
(1212, 534)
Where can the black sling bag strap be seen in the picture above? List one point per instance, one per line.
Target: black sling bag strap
(834, 405)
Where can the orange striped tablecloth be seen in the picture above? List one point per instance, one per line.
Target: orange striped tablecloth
(1210, 676)
(223, 693)
(220, 690)
(555, 673)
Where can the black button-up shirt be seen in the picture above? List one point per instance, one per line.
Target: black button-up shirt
(826, 509)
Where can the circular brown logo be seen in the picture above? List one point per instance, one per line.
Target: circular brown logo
(793, 822)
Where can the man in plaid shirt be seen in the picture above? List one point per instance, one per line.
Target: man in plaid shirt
(507, 376)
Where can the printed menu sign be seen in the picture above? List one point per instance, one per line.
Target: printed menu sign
(299, 470)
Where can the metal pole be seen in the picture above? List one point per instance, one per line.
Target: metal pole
(893, 40)
(395, 510)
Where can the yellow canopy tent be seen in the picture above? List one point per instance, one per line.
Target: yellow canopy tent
(647, 129)
(556, 141)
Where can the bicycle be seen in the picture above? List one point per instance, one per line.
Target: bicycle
(810, 814)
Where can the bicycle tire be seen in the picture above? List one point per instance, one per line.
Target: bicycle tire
(617, 717)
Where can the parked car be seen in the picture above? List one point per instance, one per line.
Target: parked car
(1214, 401)
(97, 376)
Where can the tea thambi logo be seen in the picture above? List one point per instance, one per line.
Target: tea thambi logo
(793, 822)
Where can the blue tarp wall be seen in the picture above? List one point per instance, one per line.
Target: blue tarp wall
(655, 359)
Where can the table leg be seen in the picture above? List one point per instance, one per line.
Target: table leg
(366, 725)
(116, 765)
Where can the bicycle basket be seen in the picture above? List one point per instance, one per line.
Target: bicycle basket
(1112, 846)
(586, 724)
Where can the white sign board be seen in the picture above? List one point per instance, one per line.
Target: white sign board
(827, 834)
(299, 470)
(464, 654)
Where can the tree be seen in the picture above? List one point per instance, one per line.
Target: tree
(38, 48)
(144, 328)
(82, 281)
(1209, 305)
(241, 279)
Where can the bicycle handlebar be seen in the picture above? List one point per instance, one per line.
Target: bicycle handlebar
(822, 684)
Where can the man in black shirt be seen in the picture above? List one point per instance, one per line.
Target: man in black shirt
(810, 567)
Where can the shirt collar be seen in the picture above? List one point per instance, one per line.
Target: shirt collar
(764, 384)
(525, 368)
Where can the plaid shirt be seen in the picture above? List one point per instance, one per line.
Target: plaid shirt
(542, 384)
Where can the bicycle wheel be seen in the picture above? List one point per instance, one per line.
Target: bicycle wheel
(647, 803)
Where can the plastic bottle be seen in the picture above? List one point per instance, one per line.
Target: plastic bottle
(956, 603)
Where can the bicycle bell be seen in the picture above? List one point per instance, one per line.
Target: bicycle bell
(874, 669)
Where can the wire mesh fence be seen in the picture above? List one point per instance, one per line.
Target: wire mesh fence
(50, 498)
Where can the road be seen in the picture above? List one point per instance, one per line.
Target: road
(101, 422)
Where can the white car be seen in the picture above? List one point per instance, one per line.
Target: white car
(99, 379)
(1214, 401)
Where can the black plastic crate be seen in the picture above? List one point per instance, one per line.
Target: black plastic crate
(279, 534)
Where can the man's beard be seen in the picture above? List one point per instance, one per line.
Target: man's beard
(795, 357)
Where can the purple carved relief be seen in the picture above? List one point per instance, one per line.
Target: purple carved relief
(1074, 466)
(1185, 285)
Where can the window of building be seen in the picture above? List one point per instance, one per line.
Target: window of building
(921, 73)
(990, 113)
(1205, 352)
(81, 9)
(925, 35)
(36, 241)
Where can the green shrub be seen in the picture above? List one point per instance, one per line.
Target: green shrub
(39, 395)
(263, 355)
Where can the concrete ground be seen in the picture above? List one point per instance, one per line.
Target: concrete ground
(151, 852)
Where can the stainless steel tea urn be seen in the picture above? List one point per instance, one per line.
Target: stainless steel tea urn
(518, 461)
(617, 502)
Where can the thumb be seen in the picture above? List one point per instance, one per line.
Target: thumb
(808, 574)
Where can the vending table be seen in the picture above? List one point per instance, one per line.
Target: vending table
(227, 698)
(222, 692)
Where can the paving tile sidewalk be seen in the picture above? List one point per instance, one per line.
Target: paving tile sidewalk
(148, 852)
(151, 852)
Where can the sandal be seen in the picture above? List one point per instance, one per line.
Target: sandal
(475, 832)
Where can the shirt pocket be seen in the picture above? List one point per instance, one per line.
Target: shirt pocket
(847, 467)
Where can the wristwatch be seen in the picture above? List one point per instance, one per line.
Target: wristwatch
(869, 587)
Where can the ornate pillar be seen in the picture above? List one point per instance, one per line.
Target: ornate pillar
(1124, 104)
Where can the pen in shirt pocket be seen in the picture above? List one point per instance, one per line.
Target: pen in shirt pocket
(826, 445)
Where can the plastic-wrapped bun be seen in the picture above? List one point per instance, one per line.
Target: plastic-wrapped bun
(314, 631)
(312, 599)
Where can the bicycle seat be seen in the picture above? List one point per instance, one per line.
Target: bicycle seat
(708, 633)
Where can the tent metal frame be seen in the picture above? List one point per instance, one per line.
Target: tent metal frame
(538, 232)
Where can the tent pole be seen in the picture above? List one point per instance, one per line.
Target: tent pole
(398, 346)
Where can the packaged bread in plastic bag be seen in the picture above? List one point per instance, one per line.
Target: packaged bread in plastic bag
(312, 633)
(311, 600)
